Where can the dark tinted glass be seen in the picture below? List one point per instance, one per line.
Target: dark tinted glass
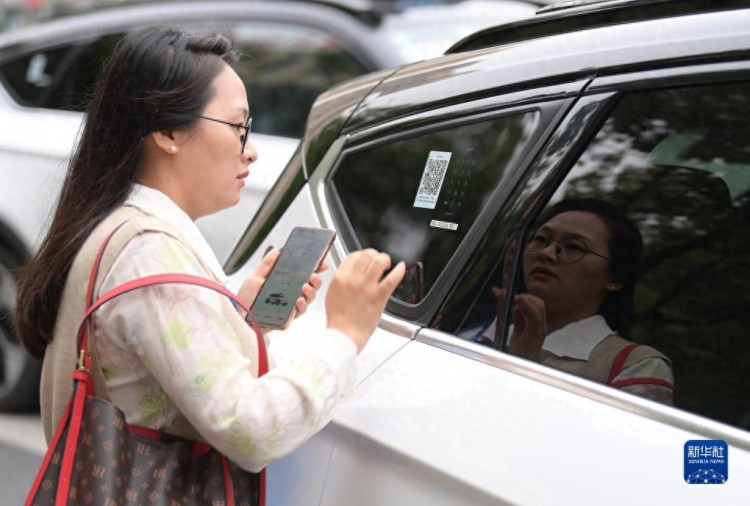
(58, 78)
(30, 77)
(417, 198)
(676, 162)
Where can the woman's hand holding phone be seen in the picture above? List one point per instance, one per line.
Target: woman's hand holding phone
(358, 293)
(254, 282)
(356, 297)
(310, 290)
(291, 283)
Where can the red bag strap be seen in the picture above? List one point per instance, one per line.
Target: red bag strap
(74, 430)
(84, 361)
(619, 361)
(163, 279)
(84, 384)
(73, 411)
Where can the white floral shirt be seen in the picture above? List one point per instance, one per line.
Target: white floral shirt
(171, 349)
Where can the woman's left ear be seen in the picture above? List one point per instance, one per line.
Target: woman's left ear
(166, 140)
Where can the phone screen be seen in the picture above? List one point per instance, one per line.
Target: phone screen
(300, 257)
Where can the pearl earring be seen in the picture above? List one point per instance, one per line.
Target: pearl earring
(173, 149)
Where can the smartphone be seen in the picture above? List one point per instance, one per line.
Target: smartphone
(300, 257)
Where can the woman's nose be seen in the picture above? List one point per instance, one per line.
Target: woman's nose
(551, 250)
(249, 154)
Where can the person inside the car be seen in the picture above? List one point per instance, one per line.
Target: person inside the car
(165, 142)
(579, 274)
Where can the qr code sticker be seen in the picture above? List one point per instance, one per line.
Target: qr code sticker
(432, 179)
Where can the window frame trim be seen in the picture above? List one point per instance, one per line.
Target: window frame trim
(551, 112)
(675, 418)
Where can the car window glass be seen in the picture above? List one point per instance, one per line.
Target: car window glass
(29, 77)
(60, 77)
(284, 67)
(676, 164)
(428, 188)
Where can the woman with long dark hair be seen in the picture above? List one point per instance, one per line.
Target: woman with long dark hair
(579, 273)
(166, 141)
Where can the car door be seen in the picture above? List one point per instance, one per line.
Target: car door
(439, 418)
(449, 421)
(444, 414)
(424, 194)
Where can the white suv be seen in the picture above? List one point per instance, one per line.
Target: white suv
(641, 104)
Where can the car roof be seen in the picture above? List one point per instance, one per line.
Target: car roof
(566, 17)
(554, 59)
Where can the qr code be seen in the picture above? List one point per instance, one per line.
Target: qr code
(432, 179)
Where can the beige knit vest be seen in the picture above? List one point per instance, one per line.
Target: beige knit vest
(61, 355)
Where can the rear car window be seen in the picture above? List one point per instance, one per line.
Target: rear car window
(416, 198)
(59, 77)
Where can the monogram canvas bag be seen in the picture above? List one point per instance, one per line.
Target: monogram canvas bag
(96, 458)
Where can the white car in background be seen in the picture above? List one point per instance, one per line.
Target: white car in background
(294, 50)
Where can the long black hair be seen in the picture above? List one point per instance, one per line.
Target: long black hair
(625, 249)
(158, 78)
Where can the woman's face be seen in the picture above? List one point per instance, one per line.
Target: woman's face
(211, 161)
(571, 292)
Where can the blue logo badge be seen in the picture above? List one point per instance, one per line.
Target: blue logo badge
(706, 462)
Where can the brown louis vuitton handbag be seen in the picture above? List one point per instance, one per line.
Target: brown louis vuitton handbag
(96, 458)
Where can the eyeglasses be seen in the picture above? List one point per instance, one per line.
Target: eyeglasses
(569, 251)
(246, 126)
